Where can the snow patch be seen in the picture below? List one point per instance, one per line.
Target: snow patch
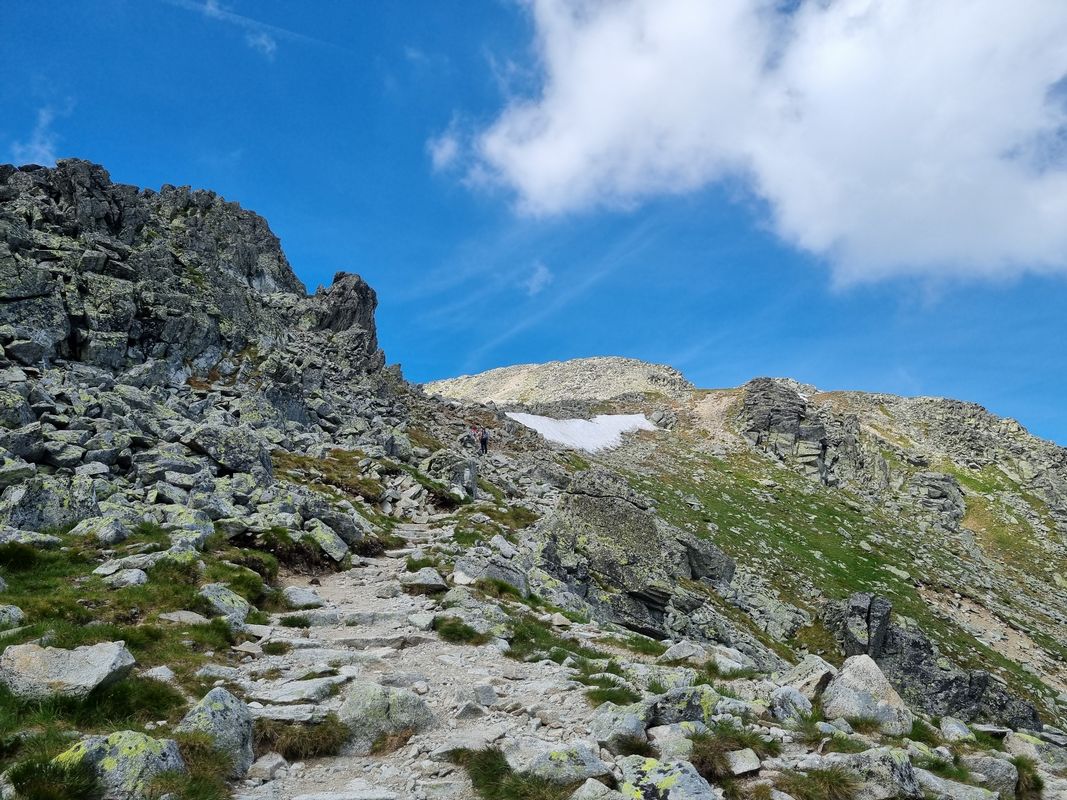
(599, 433)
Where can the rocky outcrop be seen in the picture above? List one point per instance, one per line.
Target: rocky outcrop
(117, 277)
(912, 663)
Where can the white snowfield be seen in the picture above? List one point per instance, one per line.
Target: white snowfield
(599, 433)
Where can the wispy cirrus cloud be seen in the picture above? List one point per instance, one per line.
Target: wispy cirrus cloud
(889, 137)
(538, 279)
(41, 145)
(259, 36)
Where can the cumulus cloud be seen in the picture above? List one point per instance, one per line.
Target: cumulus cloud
(888, 136)
(538, 279)
(40, 147)
(443, 150)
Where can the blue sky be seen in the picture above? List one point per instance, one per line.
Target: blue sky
(515, 194)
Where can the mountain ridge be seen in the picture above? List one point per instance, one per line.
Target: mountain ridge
(230, 535)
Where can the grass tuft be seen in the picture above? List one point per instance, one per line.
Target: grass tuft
(40, 779)
(710, 749)
(297, 742)
(493, 779)
(456, 632)
(1030, 783)
(830, 783)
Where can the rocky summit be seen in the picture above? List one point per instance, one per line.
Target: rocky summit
(241, 557)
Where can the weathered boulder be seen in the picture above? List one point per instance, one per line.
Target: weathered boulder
(298, 597)
(860, 690)
(235, 448)
(789, 704)
(612, 725)
(885, 773)
(226, 603)
(937, 788)
(34, 672)
(10, 616)
(105, 530)
(426, 579)
(686, 704)
(562, 764)
(228, 722)
(47, 502)
(126, 762)
(998, 774)
(810, 677)
(652, 779)
(127, 577)
(371, 710)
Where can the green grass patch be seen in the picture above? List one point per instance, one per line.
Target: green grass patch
(829, 783)
(457, 632)
(636, 643)
(493, 779)
(207, 766)
(415, 564)
(494, 587)
(534, 639)
(619, 695)
(40, 779)
(710, 749)
(1030, 784)
(295, 621)
(926, 733)
(513, 517)
(298, 742)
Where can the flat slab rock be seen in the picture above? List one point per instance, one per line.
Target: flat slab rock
(35, 672)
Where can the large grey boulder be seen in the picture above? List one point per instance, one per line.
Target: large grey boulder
(861, 691)
(33, 672)
(228, 722)
(235, 448)
(371, 710)
(937, 788)
(10, 616)
(884, 772)
(789, 704)
(297, 597)
(126, 762)
(561, 764)
(612, 725)
(426, 579)
(47, 502)
(686, 704)
(1000, 774)
(652, 779)
(809, 677)
(226, 603)
(105, 530)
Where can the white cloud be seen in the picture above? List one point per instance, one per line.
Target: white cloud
(443, 150)
(538, 279)
(889, 136)
(40, 147)
(262, 43)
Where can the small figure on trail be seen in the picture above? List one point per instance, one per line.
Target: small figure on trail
(483, 440)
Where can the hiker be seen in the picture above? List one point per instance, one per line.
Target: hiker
(483, 440)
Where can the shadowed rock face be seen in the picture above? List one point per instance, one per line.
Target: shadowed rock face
(114, 276)
(912, 663)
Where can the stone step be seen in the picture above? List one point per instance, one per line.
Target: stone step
(394, 641)
(306, 713)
